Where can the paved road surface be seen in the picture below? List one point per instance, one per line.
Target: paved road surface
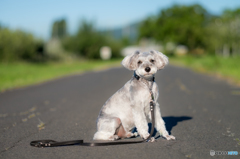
(202, 112)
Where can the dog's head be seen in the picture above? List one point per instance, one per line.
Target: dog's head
(145, 64)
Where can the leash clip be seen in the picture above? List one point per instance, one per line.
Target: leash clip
(151, 105)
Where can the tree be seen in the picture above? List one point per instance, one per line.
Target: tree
(59, 29)
(88, 41)
(224, 33)
(183, 25)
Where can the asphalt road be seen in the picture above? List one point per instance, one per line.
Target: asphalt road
(202, 112)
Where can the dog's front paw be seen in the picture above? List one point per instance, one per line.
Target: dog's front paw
(144, 135)
(152, 139)
(169, 137)
(166, 135)
(135, 134)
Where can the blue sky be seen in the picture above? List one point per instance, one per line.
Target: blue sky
(37, 16)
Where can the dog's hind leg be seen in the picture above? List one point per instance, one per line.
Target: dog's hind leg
(107, 127)
(122, 133)
(130, 134)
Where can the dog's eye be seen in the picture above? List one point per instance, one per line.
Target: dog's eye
(139, 62)
(152, 61)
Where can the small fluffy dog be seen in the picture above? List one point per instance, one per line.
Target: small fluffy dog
(129, 107)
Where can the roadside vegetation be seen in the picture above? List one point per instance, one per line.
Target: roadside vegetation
(227, 68)
(26, 60)
(14, 75)
(195, 28)
(189, 35)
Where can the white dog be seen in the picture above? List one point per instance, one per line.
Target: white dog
(129, 106)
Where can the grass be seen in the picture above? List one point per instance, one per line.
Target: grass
(13, 75)
(228, 68)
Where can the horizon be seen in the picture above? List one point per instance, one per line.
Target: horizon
(38, 17)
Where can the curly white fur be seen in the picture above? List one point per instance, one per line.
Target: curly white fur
(129, 106)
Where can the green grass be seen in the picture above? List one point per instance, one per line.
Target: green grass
(224, 67)
(13, 75)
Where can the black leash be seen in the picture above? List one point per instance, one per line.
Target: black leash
(52, 143)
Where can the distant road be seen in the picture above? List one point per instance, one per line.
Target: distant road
(202, 112)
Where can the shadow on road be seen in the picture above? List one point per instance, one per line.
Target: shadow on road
(170, 122)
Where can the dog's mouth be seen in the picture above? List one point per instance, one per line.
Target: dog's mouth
(147, 76)
(148, 73)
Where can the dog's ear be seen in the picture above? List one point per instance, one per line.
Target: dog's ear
(161, 59)
(130, 61)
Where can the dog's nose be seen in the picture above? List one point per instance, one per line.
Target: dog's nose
(147, 69)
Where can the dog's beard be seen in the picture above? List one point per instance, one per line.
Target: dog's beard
(148, 77)
(145, 75)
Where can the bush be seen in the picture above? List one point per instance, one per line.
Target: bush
(19, 45)
(87, 42)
